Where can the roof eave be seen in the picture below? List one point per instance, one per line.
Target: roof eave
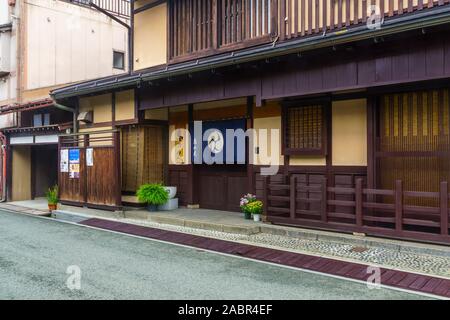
(401, 24)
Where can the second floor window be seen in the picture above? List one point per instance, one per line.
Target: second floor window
(41, 119)
(118, 60)
(304, 130)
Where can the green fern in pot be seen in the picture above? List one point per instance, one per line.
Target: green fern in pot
(153, 194)
(52, 198)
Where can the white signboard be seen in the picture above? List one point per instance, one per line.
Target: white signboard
(51, 138)
(89, 157)
(64, 162)
(21, 140)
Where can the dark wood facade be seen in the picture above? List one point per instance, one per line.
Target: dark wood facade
(376, 199)
(199, 28)
(364, 66)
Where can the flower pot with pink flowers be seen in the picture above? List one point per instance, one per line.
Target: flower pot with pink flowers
(244, 204)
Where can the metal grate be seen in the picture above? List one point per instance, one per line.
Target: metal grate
(119, 8)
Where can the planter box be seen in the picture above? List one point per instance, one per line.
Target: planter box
(172, 204)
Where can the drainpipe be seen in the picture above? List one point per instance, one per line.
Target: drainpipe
(3, 172)
(74, 112)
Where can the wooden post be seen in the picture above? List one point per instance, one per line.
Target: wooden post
(59, 167)
(116, 137)
(215, 19)
(85, 168)
(358, 202)
(282, 20)
(293, 196)
(444, 207)
(324, 200)
(265, 197)
(250, 149)
(274, 18)
(398, 205)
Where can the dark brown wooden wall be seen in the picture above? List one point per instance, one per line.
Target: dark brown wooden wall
(181, 177)
(422, 57)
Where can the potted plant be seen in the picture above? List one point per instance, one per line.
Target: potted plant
(153, 194)
(256, 209)
(245, 200)
(52, 198)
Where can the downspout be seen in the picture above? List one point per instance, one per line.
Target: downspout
(74, 112)
(3, 172)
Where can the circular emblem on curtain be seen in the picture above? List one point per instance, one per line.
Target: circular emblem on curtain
(215, 141)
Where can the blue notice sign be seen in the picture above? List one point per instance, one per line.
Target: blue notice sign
(74, 156)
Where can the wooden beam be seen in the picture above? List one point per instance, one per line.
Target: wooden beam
(148, 6)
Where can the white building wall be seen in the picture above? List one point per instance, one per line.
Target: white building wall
(4, 16)
(66, 43)
(8, 84)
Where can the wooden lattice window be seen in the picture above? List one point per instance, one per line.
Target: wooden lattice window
(304, 130)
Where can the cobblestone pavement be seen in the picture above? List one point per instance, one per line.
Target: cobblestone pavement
(414, 262)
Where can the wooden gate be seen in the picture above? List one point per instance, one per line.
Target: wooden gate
(89, 169)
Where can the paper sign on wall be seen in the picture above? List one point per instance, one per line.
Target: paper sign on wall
(74, 163)
(74, 172)
(74, 155)
(89, 157)
(64, 160)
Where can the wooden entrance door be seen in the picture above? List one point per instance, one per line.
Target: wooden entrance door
(44, 164)
(221, 186)
(413, 143)
(144, 150)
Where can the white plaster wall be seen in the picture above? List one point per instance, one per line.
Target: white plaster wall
(8, 40)
(68, 43)
(4, 16)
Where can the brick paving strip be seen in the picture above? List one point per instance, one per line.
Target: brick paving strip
(393, 278)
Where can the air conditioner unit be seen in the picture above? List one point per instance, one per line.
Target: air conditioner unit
(85, 117)
(4, 53)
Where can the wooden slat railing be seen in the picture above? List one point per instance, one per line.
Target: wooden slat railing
(306, 17)
(202, 27)
(373, 211)
(206, 27)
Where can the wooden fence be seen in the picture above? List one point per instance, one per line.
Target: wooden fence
(96, 181)
(359, 209)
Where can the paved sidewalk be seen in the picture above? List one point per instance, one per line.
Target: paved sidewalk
(401, 255)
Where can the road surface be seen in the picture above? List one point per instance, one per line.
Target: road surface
(35, 255)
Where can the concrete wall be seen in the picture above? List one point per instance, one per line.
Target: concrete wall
(150, 37)
(21, 173)
(67, 43)
(8, 84)
(4, 12)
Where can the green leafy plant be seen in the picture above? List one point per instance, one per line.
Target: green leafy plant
(153, 194)
(255, 207)
(52, 195)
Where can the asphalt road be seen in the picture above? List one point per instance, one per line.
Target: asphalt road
(35, 254)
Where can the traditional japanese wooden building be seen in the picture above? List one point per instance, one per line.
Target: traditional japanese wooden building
(357, 89)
